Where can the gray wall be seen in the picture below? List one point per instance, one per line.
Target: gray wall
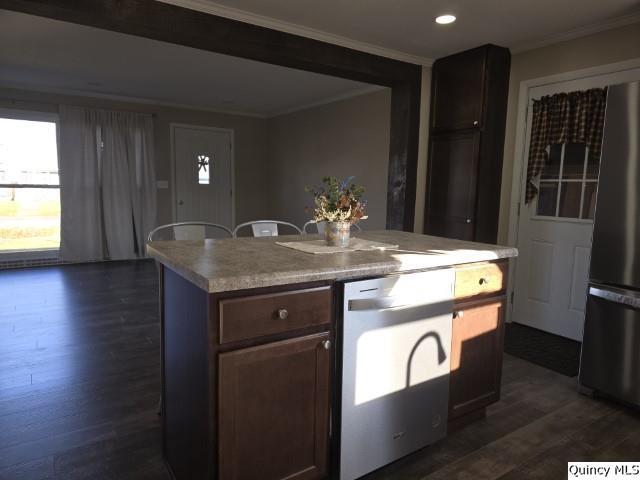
(274, 158)
(346, 137)
(250, 143)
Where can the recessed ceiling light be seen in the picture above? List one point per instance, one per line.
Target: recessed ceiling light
(445, 19)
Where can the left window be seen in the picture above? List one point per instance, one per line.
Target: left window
(29, 183)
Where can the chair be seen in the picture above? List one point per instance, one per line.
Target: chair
(265, 228)
(189, 231)
(320, 226)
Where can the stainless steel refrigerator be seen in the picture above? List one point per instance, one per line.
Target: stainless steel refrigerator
(610, 361)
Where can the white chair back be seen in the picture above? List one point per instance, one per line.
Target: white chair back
(265, 228)
(189, 231)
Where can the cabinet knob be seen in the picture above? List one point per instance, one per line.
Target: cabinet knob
(475, 123)
(283, 314)
(458, 314)
(468, 220)
(326, 344)
(483, 281)
(181, 202)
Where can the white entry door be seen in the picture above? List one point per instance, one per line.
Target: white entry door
(554, 243)
(555, 232)
(203, 162)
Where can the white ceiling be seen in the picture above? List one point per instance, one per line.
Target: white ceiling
(405, 28)
(42, 54)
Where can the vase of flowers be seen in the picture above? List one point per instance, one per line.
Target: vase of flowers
(340, 205)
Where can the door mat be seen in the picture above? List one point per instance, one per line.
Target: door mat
(320, 246)
(551, 351)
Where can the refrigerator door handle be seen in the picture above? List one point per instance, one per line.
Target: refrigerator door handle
(615, 295)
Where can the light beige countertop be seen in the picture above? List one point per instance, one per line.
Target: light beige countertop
(243, 263)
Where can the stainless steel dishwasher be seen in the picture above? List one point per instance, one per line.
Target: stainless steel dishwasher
(396, 340)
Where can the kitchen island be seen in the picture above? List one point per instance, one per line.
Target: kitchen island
(252, 346)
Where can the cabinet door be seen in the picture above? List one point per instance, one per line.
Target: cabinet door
(476, 356)
(453, 161)
(458, 90)
(274, 410)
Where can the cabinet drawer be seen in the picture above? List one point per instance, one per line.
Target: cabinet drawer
(480, 280)
(256, 316)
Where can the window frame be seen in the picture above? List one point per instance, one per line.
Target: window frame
(33, 116)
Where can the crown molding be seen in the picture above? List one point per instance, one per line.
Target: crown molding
(182, 106)
(72, 92)
(300, 30)
(326, 101)
(584, 31)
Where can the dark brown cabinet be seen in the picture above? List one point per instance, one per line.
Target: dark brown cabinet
(274, 410)
(477, 339)
(469, 98)
(460, 77)
(246, 380)
(476, 356)
(453, 196)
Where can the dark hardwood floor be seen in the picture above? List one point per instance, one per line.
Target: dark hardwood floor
(79, 385)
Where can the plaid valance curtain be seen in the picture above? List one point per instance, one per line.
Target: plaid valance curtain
(575, 117)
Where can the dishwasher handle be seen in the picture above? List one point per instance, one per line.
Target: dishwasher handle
(379, 303)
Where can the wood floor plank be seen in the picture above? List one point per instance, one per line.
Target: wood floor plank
(500, 457)
(586, 444)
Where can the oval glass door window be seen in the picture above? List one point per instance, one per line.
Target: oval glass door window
(204, 169)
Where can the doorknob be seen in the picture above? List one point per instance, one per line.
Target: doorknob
(180, 202)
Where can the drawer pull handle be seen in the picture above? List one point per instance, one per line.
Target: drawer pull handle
(483, 281)
(458, 314)
(283, 314)
(326, 344)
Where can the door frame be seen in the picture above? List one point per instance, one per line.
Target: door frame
(174, 186)
(618, 72)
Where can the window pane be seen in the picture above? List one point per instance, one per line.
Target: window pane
(28, 152)
(552, 169)
(204, 169)
(589, 207)
(29, 218)
(573, 167)
(547, 197)
(570, 193)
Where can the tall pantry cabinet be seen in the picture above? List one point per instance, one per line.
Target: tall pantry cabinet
(469, 93)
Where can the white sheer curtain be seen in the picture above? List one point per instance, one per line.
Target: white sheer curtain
(107, 183)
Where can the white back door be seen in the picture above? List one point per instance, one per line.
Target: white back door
(554, 244)
(203, 162)
(554, 237)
